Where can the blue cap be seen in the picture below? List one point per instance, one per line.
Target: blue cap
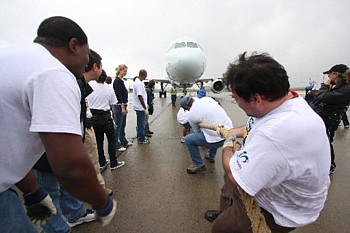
(201, 93)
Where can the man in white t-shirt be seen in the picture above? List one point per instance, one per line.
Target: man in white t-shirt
(182, 118)
(40, 111)
(140, 106)
(280, 165)
(203, 110)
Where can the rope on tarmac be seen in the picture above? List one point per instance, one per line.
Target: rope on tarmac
(254, 213)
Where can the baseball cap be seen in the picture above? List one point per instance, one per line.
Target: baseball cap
(340, 68)
(201, 93)
(185, 101)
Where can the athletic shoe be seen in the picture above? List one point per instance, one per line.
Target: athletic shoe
(104, 167)
(208, 158)
(128, 144)
(89, 216)
(211, 215)
(346, 126)
(150, 132)
(148, 135)
(121, 149)
(144, 141)
(194, 169)
(182, 140)
(119, 165)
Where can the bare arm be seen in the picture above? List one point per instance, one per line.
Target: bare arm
(228, 152)
(73, 168)
(28, 184)
(142, 101)
(239, 131)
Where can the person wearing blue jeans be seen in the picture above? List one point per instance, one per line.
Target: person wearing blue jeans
(194, 140)
(141, 124)
(140, 106)
(120, 121)
(120, 110)
(203, 110)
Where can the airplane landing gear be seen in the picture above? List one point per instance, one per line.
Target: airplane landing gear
(162, 93)
(162, 90)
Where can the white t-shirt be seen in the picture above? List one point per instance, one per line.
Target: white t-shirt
(139, 89)
(285, 163)
(207, 110)
(37, 94)
(182, 116)
(102, 97)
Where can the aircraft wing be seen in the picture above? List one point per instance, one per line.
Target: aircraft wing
(167, 80)
(161, 80)
(206, 79)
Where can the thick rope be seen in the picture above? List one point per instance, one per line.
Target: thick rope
(254, 213)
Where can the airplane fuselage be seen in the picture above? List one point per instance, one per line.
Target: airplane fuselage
(185, 64)
(185, 61)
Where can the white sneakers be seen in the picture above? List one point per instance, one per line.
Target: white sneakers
(89, 216)
(121, 149)
(129, 144)
(118, 165)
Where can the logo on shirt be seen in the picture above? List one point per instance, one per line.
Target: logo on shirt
(242, 157)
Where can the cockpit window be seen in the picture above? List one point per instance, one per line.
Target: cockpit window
(180, 45)
(192, 45)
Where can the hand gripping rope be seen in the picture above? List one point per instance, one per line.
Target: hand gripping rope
(256, 217)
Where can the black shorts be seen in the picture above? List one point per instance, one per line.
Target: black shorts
(187, 125)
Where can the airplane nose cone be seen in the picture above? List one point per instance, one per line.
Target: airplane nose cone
(191, 68)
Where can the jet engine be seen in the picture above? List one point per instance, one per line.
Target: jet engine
(217, 86)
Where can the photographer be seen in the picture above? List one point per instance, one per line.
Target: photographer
(331, 101)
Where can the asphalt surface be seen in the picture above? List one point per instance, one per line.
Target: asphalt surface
(155, 194)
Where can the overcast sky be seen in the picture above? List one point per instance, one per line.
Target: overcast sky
(306, 36)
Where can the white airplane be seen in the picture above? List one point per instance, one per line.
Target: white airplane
(185, 63)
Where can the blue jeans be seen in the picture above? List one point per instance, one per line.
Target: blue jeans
(120, 121)
(141, 124)
(194, 140)
(12, 215)
(72, 208)
(67, 205)
(48, 181)
(146, 124)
